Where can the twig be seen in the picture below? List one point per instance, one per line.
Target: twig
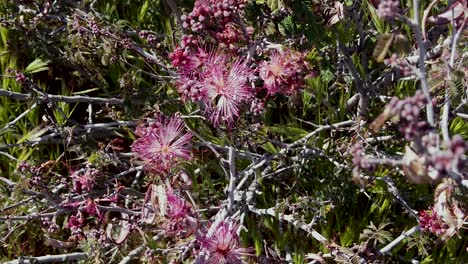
(49, 258)
(60, 98)
(320, 129)
(16, 204)
(397, 240)
(394, 190)
(290, 219)
(7, 181)
(27, 217)
(12, 123)
(232, 178)
(133, 254)
(446, 108)
(8, 156)
(416, 24)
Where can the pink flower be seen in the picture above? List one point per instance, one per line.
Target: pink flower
(226, 88)
(162, 143)
(181, 220)
(84, 180)
(222, 245)
(284, 73)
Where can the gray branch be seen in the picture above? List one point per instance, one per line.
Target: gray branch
(49, 258)
(50, 98)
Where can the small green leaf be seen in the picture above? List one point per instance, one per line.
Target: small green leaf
(291, 133)
(459, 126)
(105, 59)
(37, 65)
(270, 148)
(143, 11)
(33, 134)
(86, 91)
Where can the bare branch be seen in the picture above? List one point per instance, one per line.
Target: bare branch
(60, 98)
(50, 258)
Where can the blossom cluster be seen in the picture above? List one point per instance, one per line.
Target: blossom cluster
(84, 179)
(442, 162)
(218, 19)
(388, 9)
(408, 110)
(429, 221)
(400, 63)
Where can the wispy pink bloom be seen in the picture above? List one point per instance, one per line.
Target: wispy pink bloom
(213, 79)
(226, 86)
(222, 245)
(162, 143)
(284, 73)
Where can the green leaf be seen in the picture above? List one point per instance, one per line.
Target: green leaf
(143, 10)
(270, 148)
(37, 65)
(86, 91)
(275, 5)
(287, 26)
(33, 134)
(105, 59)
(459, 126)
(291, 133)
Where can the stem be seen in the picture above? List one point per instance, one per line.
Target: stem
(50, 258)
(422, 66)
(232, 178)
(50, 98)
(395, 242)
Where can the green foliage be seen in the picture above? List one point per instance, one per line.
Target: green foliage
(315, 188)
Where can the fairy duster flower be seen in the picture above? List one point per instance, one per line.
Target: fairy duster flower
(226, 88)
(162, 143)
(222, 245)
(283, 73)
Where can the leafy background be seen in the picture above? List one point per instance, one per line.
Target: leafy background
(60, 60)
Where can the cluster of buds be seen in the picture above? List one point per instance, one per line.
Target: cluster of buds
(210, 13)
(190, 41)
(98, 235)
(93, 27)
(442, 162)
(359, 160)
(430, 222)
(150, 255)
(150, 38)
(52, 227)
(228, 37)
(284, 73)
(400, 63)
(20, 78)
(219, 19)
(408, 110)
(388, 9)
(257, 106)
(84, 179)
(75, 223)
